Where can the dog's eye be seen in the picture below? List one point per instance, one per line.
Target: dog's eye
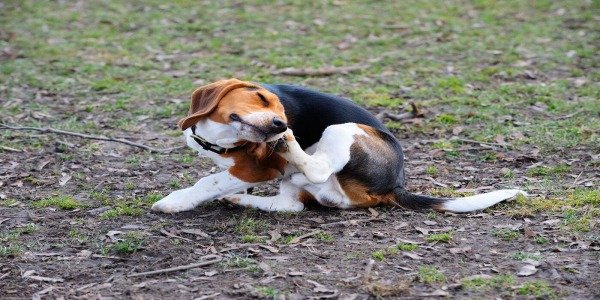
(263, 99)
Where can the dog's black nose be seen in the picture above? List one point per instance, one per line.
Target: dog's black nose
(278, 125)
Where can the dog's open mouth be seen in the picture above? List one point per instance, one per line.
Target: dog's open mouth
(253, 133)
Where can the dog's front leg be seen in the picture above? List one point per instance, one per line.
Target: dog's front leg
(206, 189)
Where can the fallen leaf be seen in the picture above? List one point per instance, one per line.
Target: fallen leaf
(374, 213)
(527, 270)
(64, 179)
(270, 248)
(412, 255)
(295, 273)
(112, 235)
(458, 250)
(436, 293)
(422, 230)
(430, 223)
(457, 130)
(551, 222)
(265, 267)
(195, 232)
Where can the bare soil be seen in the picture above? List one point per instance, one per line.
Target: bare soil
(73, 253)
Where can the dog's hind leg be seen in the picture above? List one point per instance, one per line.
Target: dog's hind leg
(331, 155)
(289, 199)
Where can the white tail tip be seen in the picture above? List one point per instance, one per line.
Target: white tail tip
(477, 202)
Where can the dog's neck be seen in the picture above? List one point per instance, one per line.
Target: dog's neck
(222, 135)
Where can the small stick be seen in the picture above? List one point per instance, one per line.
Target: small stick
(318, 72)
(298, 238)
(175, 269)
(347, 222)
(87, 136)
(477, 142)
(175, 236)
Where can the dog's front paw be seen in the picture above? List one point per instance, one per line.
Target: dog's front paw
(288, 136)
(175, 202)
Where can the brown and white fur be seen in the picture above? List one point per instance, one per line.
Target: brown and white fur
(351, 164)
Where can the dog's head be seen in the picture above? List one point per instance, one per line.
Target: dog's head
(253, 112)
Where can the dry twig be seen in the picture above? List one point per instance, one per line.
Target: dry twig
(179, 268)
(478, 142)
(328, 71)
(415, 113)
(87, 136)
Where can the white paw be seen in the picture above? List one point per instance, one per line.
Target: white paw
(299, 179)
(318, 176)
(175, 202)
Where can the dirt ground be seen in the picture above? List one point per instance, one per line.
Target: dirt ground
(73, 250)
(508, 92)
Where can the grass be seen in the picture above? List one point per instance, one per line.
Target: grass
(268, 292)
(324, 237)
(131, 243)
(131, 207)
(445, 237)
(474, 71)
(11, 244)
(62, 202)
(578, 208)
(407, 247)
(525, 255)
(378, 255)
(468, 63)
(429, 275)
(249, 226)
(506, 234)
(237, 262)
(8, 202)
(249, 238)
(499, 282)
(539, 289)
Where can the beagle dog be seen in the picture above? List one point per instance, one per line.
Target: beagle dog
(324, 148)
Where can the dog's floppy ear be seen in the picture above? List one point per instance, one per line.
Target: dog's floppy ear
(206, 98)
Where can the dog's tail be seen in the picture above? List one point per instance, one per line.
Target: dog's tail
(405, 199)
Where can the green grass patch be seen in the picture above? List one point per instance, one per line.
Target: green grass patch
(407, 246)
(131, 243)
(324, 237)
(524, 255)
(10, 245)
(539, 289)
(268, 292)
(501, 281)
(506, 234)
(131, 207)
(8, 202)
(431, 170)
(250, 238)
(62, 202)
(429, 275)
(246, 264)
(541, 240)
(249, 226)
(544, 171)
(378, 255)
(445, 237)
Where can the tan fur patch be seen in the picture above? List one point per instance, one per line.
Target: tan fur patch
(359, 194)
(306, 197)
(250, 168)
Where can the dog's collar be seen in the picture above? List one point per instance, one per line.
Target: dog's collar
(210, 146)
